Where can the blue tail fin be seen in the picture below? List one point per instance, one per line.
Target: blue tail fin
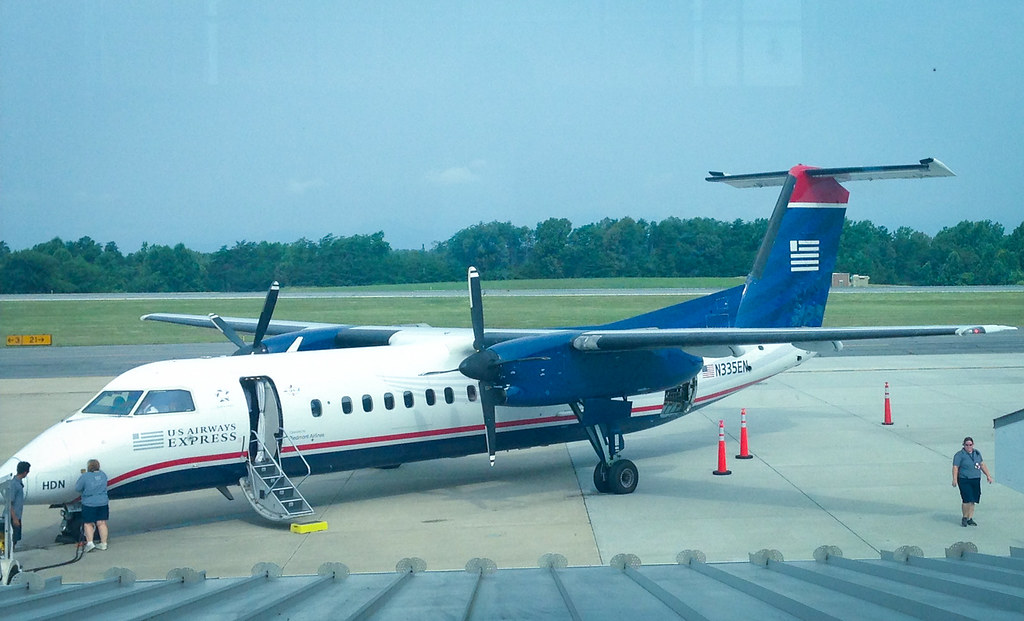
(789, 283)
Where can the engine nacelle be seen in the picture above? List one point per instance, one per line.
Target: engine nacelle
(547, 370)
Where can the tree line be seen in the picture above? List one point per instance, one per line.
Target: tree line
(970, 253)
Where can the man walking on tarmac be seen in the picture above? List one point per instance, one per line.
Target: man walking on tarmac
(967, 469)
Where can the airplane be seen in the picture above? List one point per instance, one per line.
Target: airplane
(309, 398)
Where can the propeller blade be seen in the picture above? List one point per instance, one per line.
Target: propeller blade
(229, 332)
(268, 311)
(487, 401)
(476, 308)
(481, 365)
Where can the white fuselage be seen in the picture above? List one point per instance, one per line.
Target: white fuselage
(341, 409)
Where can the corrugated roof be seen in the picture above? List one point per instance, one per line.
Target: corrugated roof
(900, 585)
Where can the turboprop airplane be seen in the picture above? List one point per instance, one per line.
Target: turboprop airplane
(318, 398)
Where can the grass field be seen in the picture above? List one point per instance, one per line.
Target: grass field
(107, 322)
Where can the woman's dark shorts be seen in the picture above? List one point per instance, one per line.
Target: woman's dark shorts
(970, 489)
(101, 514)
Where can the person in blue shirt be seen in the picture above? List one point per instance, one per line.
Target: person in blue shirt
(967, 469)
(17, 507)
(95, 504)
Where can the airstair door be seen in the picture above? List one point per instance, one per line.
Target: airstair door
(267, 488)
(265, 418)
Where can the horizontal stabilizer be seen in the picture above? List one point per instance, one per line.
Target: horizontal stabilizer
(930, 167)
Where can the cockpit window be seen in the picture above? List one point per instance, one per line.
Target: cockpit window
(164, 401)
(115, 402)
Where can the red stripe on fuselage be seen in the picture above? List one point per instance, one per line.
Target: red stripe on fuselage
(172, 464)
(728, 391)
(426, 434)
(188, 461)
(648, 408)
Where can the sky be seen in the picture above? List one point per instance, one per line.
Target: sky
(214, 122)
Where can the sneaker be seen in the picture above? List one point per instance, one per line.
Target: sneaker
(89, 547)
(963, 522)
(101, 546)
(971, 522)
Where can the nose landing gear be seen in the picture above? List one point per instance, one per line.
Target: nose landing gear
(70, 524)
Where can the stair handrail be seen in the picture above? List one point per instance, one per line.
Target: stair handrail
(278, 475)
(298, 453)
(277, 461)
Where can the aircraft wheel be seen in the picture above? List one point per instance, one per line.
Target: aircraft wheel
(70, 527)
(623, 477)
(601, 481)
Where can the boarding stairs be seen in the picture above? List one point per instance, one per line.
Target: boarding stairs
(269, 490)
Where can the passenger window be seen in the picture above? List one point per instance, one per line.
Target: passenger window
(166, 401)
(316, 407)
(430, 396)
(346, 405)
(449, 395)
(408, 398)
(471, 392)
(389, 401)
(367, 403)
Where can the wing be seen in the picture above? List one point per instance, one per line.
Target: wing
(720, 342)
(337, 335)
(241, 324)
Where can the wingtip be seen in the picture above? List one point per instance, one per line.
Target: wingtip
(984, 329)
(937, 168)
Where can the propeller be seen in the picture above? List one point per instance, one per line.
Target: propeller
(482, 365)
(261, 326)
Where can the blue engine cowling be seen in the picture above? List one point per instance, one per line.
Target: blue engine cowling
(333, 337)
(546, 370)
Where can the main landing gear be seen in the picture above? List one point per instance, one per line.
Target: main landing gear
(612, 474)
(620, 477)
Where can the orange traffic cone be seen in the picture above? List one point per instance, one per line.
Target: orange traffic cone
(721, 450)
(744, 449)
(888, 408)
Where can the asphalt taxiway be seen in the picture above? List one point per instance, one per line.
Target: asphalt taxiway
(825, 471)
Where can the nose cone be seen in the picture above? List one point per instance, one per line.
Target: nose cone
(482, 366)
(51, 477)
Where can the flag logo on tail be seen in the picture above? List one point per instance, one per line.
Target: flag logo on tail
(803, 255)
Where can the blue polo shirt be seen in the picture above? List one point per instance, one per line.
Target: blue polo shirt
(93, 486)
(18, 497)
(968, 463)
